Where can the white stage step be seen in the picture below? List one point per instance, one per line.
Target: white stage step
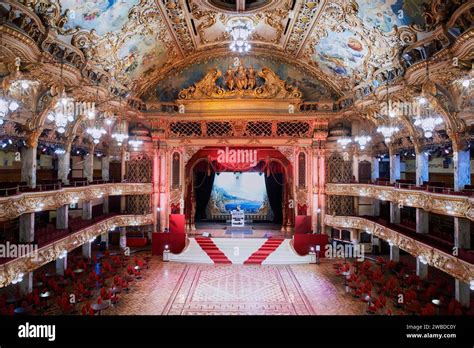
(239, 250)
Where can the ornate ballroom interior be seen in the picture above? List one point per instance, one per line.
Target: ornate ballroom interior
(277, 157)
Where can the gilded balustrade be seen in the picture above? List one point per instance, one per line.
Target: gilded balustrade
(444, 204)
(29, 202)
(26, 263)
(448, 263)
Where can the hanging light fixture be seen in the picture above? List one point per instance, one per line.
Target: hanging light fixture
(363, 140)
(120, 135)
(388, 131)
(7, 106)
(344, 141)
(96, 133)
(239, 29)
(136, 143)
(63, 111)
(428, 123)
(427, 120)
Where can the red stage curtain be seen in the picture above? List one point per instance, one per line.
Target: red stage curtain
(177, 222)
(303, 242)
(302, 224)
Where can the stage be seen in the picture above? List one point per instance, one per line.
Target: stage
(225, 230)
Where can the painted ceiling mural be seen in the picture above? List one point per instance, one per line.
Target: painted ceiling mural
(384, 14)
(313, 90)
(138, 42)
(103, 16)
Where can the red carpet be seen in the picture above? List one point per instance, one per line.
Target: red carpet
(212, 250)
(262, 253)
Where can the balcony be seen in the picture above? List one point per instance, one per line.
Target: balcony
(435, 257)
(434, 199)
(55, 197)
(51, 251)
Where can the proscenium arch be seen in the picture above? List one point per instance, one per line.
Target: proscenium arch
(203, 155)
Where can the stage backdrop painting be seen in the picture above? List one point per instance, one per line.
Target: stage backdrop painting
(246, 190)
(313, 90)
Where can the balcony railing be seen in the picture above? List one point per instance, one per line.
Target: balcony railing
(458, 204)
(29, 202)
(10, 270)
(435, 257)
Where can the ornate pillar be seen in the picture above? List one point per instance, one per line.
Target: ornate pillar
(164, 187)
(422, 169)
(87, 250)
(26, 285)
(394, 253)
(421, 268)
(123, 174)
(156, 187)
(61, 265)
(64, 166)
(89, 166)
(28, 165)
(322, 188)
(62, 217)
(27, 228)
(375, 173)
(315, 189)
(462, 293)
(462, 169)
(394, 165)
(87, 210)
(462, 233)
(105, 167)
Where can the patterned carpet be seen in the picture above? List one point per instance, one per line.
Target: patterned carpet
(180, 289)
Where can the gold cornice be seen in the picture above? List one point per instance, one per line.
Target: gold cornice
(30, 202)
(10, 270)
(458, 206)
(448, 263)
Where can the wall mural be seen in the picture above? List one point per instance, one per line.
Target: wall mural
(313, 90)
(384, 14)
(340, 53)
(101, 15)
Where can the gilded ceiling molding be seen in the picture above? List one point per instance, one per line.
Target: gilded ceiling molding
(9, 271)
(307, 13)
(448, 263)
(443, 204)
(30, 202)
(176, 16)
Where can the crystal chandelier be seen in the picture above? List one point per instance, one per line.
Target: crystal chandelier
(62, 113)
(239, 29)
(120, 137)
(428, 124)
(344, 142)
(96, 133)
(135, 143)
(387, 132)
(6, 107)
(363, 140)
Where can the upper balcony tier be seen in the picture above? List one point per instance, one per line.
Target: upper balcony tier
(34, 201)
(430, 198)
(434, 256)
